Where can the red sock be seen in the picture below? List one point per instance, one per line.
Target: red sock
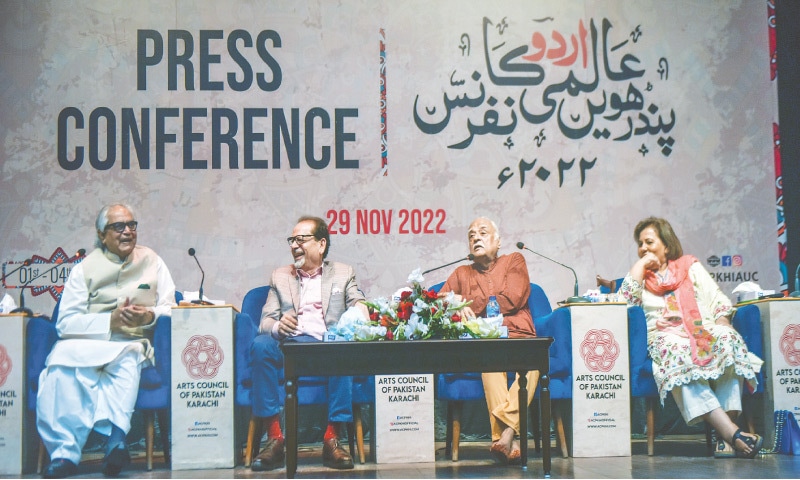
(274, 427)
(330, 432)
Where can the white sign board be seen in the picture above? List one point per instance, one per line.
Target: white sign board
(780, 322)
(12, 393)
(601, 415)
(202, 388)
(404, 419)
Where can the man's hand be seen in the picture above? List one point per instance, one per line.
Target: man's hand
(362, 307)
(130, 316)
(287, 325)
(467, 313)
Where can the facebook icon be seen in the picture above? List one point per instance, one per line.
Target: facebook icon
(727, 261)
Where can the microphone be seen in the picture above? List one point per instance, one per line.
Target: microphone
(469, 257)
(25, 263)
(576, 298)
(796, 292)
(27, 311)
(200, 300)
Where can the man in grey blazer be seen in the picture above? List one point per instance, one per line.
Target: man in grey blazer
(305, 299)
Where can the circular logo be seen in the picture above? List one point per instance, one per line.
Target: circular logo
(599, 350)
(5, 365)
(790, 344)
(202, 356)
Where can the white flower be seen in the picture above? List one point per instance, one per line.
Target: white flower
(383, 304)
(453, 305)
(366, 333)
(419, 305)
(418, 328)
(485, 327)
(416, 277)
(348, 323)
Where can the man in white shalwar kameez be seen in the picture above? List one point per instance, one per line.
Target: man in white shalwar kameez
(109, 303)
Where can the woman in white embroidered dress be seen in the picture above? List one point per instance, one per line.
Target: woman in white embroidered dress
(697, 355)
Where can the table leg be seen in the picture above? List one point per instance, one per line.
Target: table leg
(291, 427)
(544, 382)
(523, 418)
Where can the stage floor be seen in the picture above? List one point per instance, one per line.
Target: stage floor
(676, 456)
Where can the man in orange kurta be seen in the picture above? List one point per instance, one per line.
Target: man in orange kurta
(505, 277)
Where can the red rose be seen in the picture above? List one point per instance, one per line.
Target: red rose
(389, 335)
(405, 295)
(404, 310)
(374, 316)
(456, 317)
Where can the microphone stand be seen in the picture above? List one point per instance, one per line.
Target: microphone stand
(25, 263)
(576, 298)
(468, 257)
(27, 311)
(200, 300)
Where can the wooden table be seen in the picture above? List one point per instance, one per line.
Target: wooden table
(423, 356)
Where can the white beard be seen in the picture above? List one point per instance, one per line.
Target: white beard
(299, 263)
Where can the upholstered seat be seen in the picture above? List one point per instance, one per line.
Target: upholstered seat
(310, 391)
(154, 384)
(456, 388)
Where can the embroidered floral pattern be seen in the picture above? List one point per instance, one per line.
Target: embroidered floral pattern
(672, 354)
(672, 358)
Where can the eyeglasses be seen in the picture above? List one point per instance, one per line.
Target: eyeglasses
(119, 227)
(299, 239)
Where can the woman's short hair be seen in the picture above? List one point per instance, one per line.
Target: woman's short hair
(665, 233)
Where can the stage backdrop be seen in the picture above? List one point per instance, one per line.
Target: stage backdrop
(397, 122)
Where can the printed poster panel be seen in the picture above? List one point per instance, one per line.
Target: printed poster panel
(202, 388)
(601, 407)
(404, 430)
(12, 393)
(396, 122)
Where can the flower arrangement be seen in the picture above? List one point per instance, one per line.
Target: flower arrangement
(414, 313)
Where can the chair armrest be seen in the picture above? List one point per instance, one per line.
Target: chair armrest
(558, 325)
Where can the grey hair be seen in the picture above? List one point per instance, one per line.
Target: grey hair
(491, 222)
(496, 230)
(102, 220)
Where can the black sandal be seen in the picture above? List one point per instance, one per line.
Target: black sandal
(724, 450)
(754, 444)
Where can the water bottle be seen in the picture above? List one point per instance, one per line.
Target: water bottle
(492, 308)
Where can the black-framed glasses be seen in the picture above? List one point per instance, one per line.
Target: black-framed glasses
(299, 239)
(119, 227)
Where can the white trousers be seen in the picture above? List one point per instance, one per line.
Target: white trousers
(74, 400)
(702, 396)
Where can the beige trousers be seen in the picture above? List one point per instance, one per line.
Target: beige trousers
(503, 401)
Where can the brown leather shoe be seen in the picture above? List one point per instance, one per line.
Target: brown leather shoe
(334, 456)
(271, 457)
